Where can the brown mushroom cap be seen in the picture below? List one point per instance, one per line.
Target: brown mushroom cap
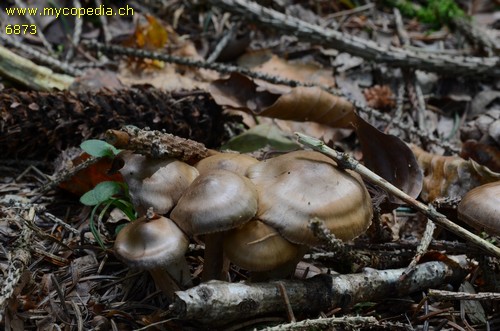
(150, 243)
(256, 246)
(156, 183)
(234, 162)
(216, 201)
(480, 208)
(299, 186)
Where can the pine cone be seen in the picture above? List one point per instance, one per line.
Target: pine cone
(38, 125)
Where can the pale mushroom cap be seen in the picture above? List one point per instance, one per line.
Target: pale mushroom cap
(256, 246)
(216, 201)
(299, 186)
(234, 162)
(148, 244)
(480, 208)
(156, 183)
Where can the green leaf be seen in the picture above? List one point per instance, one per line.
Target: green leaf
(99, 148)
(99, 194)
(261, 136)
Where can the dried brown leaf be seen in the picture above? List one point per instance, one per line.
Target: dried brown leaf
(296, 104)
(294, 70)
(450, 176)
(390, 158)
(385, 154)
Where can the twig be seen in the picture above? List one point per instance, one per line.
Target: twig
(477, 35)
(334, 245)
(346, 161)
(157, 144)
(421, 248)
(19, 260)
(363, 48)
(39, 32)
(414, 91)
(351, 322)
(286, 300)
(63, 176)
(448, 295)
(43, 58)
(224, 68)
(77, 32)
(222, 43)
(104, 24)
(60, 294)
(235, 301)
(61, 223)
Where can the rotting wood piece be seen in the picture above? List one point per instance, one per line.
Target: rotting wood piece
(158, 145)
(58, 120)
(219, 303)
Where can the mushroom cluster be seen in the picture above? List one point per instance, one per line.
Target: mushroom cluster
(255, 213)
(293, 189)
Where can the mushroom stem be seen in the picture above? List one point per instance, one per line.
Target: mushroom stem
(164, 282)
(174, 277)
(179, 271)
(213, 268)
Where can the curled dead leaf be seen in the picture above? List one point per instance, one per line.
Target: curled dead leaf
(450, 176)
(283, 102)
(385, 154)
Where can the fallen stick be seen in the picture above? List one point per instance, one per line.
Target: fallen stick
(366, 49)
(219, 303)
(348, 162)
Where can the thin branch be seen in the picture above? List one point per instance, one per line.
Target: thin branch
(347, 162)
(225, 68)
(448, 295)
(235, 301)
(366, 49)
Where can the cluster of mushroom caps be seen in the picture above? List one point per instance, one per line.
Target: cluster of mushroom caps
(255, 213)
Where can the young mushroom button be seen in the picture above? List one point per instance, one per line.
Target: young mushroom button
(299, 186)
(216, 201)
(480, 208)
(156, 183)
(156, 244)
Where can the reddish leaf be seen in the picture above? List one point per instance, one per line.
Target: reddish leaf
(86, 179)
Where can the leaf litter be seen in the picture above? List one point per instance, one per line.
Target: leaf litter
(69, 282)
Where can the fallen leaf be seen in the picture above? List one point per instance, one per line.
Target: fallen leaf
(450, 176)
(389, 157)
(385, 154)
(86, 179)
(283, 102)
(259, 137)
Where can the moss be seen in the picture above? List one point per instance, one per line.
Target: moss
(436, 12)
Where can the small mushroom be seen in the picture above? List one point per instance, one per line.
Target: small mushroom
(156, 183)
(215, 202)
(234, 162)
(480, 208)
(257, 247)
(156, 244)
(299, 186)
